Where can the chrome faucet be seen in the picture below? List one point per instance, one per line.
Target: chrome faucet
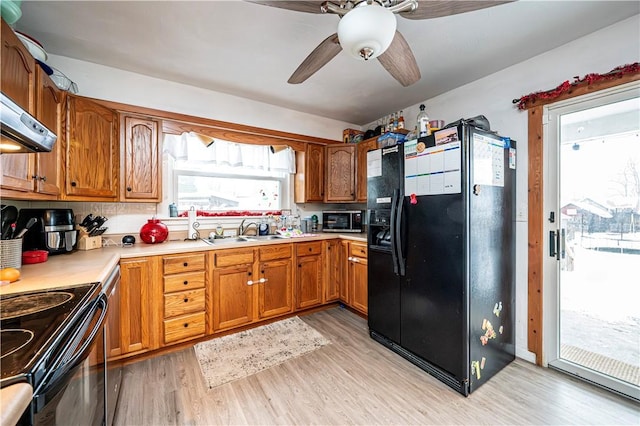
(242, 228)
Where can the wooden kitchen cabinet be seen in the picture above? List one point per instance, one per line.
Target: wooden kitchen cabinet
(357, 276)
(49, 110)
(232, 288)
(333, 270)
(275, 287)
(28, 85)
(140, 160)
(309, 273)
(18, 70)
(340, 176)
(344, 274)
(35, 176)
(184, 296)
(309, 179)
(136, 305)
(91, 151)
(18, 73)
(361, 167)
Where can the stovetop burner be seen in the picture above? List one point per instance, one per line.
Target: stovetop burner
(32, 303)
(28, 324)
(12, 340)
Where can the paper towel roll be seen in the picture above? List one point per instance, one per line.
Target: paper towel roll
(193, 225)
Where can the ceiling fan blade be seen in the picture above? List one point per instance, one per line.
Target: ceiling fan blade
(399, 61)
(320, 56)
(311, 6)
(428, 9)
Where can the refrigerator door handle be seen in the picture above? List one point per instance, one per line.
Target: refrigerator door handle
(394, 250)
(399, 236)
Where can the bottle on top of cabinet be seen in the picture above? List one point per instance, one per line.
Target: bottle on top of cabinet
(423, 122)
(401, 121)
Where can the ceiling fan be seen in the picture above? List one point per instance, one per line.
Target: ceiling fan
(367, 30)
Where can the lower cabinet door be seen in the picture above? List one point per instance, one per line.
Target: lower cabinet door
(275, 292)
(359, 286)
(232, 296)
(309, 281)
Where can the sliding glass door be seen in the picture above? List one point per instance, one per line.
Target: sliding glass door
(592, 273)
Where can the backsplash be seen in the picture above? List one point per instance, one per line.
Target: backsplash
(128, 218)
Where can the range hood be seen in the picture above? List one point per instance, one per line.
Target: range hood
(21, 132)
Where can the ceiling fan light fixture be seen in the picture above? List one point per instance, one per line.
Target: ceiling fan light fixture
(367, 31)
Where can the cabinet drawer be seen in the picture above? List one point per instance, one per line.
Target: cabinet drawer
(181, 282)
(183, 263)
(184, 327)
(305, 249)
(276, 251)
(183, 302)
(358, 250)
(233, 257)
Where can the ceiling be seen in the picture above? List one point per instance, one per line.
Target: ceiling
(250, 50)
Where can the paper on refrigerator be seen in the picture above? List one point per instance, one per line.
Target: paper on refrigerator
(432, 171)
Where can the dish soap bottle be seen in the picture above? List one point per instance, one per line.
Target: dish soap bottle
(423, 122)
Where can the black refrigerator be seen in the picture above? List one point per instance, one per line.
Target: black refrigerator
(441, 253)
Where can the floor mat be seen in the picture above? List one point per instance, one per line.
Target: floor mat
(242, 354)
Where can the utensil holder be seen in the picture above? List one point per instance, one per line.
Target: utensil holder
(11, 253)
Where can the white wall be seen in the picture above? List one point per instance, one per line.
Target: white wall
(491, 96)
(101, 82)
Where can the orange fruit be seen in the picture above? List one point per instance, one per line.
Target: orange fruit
(9, 274)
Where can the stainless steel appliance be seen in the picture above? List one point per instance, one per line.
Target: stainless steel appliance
(21, 132)
(54, 230)
(54, 340)
(441, 259)
(342, 220)
(113, 378)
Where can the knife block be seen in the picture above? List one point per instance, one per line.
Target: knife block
(89, 243)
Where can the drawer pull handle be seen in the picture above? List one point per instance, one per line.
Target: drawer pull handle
(186, 299)
(186, 324)
(185, 282)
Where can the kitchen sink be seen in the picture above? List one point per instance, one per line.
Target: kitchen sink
(243, 239)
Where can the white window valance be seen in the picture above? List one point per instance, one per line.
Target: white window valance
(189, 147)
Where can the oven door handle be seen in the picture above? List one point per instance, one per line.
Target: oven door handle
(70, 357)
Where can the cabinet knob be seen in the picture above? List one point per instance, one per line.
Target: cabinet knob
(73, 183)
(43, 178)
(185, 282)
(299, 266)
(35, 177)
(263, 280)
(186, 324)
(186, 299)
(249, 282)
(249, 273)
(128, 188)
(185, 264)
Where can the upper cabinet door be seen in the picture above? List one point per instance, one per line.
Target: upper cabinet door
(91, 150)
(140, 159)
(18, 70)
(309, 180)
(361, 167)
(340, 182)
(49, 112)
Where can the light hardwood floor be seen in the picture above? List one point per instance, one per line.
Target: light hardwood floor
(355, 380)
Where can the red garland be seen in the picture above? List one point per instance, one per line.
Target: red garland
(232, 213)
(615, 73)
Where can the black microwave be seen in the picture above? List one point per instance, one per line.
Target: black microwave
(342, 221)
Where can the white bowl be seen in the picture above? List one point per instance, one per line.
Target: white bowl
(36, 50)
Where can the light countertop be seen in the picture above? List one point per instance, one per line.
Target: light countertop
(82, 267)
